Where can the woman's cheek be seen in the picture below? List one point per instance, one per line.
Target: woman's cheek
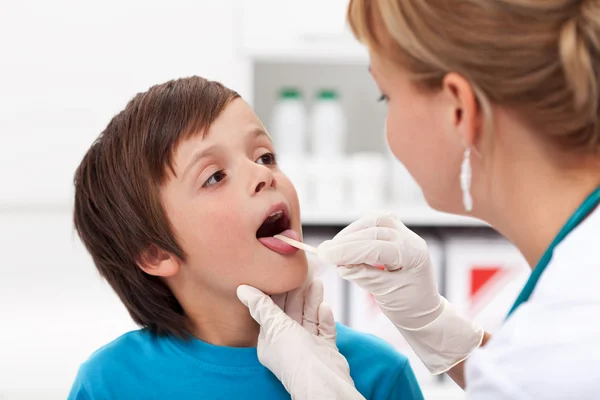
(395, 135)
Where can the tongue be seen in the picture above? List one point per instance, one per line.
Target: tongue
(279, 246)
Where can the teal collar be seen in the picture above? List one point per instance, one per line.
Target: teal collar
(223, 356)
(579, 215)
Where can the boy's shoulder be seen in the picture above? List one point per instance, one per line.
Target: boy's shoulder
(364, 346)
(104, 367)
(133, 343)
(379, 371)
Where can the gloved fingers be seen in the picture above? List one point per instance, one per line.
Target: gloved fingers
(370, 233)
(294, 303)
(376, 245)
(387, 220)
(279, 299)
(362, 275)
(261, 306)
(312, 267)
(326, 325)
(369, 252)
(312, 301)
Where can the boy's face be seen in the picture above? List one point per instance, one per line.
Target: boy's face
(225, 186)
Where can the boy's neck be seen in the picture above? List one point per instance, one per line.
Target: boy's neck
(226, 322)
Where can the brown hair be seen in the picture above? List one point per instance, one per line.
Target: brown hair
(540, 58)
(118, 213)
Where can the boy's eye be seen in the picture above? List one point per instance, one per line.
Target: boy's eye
(267, 159)
(214, 179)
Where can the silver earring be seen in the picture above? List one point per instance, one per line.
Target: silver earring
(465, 180)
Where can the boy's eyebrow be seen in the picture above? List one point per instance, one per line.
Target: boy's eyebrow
(197, 157)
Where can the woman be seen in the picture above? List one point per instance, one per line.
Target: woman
(508, 92)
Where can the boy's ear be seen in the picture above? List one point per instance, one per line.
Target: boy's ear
(155, 261)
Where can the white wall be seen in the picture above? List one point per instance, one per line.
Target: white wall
(69, 67)
(66, 67)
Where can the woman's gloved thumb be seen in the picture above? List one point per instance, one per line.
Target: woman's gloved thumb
(261, 306)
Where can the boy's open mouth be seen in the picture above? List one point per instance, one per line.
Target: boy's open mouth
(277, 222)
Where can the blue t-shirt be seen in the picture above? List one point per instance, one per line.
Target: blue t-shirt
(139, 365)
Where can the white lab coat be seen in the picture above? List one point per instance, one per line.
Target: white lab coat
(550, 347)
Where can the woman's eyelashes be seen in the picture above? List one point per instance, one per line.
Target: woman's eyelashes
(383, 97)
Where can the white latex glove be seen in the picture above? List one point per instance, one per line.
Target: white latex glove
(406, 291)
(300, 348)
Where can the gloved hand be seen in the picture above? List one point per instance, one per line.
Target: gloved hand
(406, 291)
(299, 347)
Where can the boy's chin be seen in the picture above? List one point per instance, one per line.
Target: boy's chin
(287, 282)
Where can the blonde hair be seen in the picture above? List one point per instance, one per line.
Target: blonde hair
(539, 57)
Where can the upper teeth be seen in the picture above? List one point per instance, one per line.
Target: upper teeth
(275, 216)
(276, 213)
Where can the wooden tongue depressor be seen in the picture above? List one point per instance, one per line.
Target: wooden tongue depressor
(307, 248)
(296, 244)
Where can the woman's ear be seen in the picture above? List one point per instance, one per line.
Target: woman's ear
(157, 262)
(466, 113)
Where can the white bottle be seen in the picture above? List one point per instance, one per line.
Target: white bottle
(328, 132)
(288, 123)
(288, 129)
(328, 126)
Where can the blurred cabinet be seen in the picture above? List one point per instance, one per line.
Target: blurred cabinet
(484, 276)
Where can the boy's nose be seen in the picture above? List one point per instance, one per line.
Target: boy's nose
(259, 187)
(265, 184)
(264, 180)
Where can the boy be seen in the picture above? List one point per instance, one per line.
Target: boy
(177, 202)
